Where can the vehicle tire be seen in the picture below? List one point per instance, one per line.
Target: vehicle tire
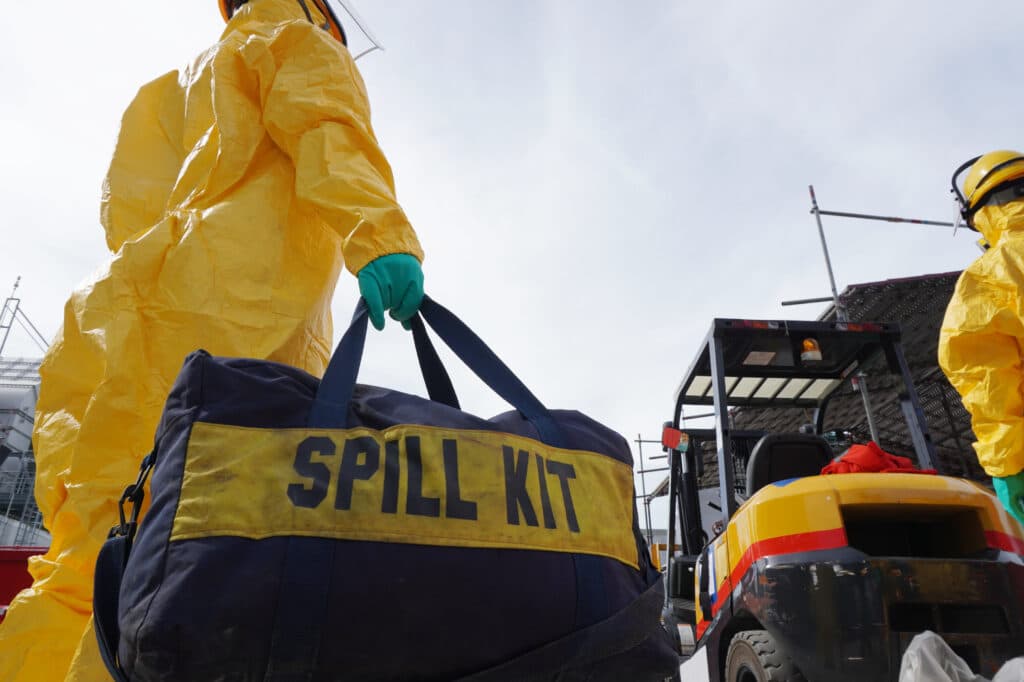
(754, 656)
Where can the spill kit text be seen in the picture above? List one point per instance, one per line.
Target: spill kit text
(361, 461)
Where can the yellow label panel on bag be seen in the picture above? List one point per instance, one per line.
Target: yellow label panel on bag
(412, 484)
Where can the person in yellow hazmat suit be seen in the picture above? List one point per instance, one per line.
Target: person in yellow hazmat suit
(981, 345)
(238, 188)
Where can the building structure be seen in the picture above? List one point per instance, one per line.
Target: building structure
(20, 520)
(918, 305)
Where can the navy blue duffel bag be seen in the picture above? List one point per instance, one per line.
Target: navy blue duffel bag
(326, 530)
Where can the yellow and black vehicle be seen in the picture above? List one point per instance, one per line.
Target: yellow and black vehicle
(811, 577)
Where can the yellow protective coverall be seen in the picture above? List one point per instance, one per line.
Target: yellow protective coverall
(980, 346)
(237, 187)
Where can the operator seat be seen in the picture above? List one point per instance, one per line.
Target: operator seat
(780, 456)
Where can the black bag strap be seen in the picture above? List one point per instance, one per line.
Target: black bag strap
(110, 566)
(105, 599)
(614, 635)
(435, 376)
(330, 408)
(471, 349)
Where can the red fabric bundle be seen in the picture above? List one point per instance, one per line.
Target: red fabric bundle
(869, 458)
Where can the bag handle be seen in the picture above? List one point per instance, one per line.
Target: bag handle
(435, 376)
(110, 568)
(330, 407)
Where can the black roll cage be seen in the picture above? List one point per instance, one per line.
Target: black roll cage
(764, 363)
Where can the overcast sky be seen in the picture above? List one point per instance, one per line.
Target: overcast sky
(592, 181)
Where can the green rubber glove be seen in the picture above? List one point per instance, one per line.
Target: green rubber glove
(1010, 490)
(394, 283)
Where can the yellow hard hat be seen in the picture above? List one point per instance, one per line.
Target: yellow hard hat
(994, 177)
(332, 25)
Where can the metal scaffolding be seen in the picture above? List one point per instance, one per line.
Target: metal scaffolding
(21, 523)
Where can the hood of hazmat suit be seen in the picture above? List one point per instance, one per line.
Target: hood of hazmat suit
(982, 337)
(238, 188)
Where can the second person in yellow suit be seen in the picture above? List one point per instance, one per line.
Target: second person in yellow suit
(238, 189)
(981, 346)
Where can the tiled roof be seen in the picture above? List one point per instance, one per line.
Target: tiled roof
(918, 304)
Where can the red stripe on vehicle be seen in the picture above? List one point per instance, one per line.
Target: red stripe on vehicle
(786, 544)
(1008, 543)
(723, 592)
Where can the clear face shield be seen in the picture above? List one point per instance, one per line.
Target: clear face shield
(1006, 193)
(958, 196)
(360, 39)
(1001, 194)
(959, 221)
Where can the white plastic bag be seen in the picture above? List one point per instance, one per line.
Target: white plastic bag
(930, 659)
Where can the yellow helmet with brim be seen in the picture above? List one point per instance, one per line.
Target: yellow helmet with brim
(994, 178)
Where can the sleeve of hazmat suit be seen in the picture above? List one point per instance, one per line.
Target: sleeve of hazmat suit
(236, 188)
(981, 341)
(328, 134)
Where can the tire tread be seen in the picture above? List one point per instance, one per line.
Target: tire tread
(776, 664)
